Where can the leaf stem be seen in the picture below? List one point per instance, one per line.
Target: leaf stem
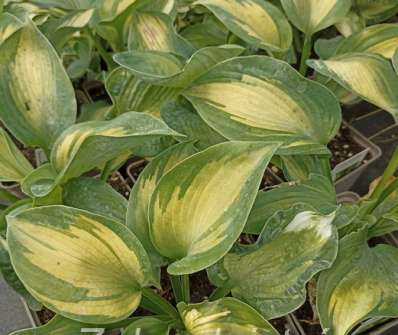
(220, 292)
(382, 191)
(106, 171)
(161, 303)
(181, 288)
(185, 287)
(305, 54)
(110, 64)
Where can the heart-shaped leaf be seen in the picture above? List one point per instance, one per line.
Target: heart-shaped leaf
(261, 98)
(311, 16)
(257, 22)
(292, 247)
(361, 284)
(369, 76)
(224, 316)
(193, 221)
(380, 39)
(96, 196)
(13, 164)
(155, 31)
(38, 102)
(100, 285)
(140, 196)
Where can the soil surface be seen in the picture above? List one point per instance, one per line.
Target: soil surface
(135, 167)
(45, 315)
(119, 185)
(343, 146)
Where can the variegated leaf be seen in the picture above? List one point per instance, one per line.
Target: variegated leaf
(395, 61)
(13, 164)
(362, 284)
(155, 31)
(350, 24)
(380, 39)
(67, 4)
(311, 16)
(224, 316)
(292, 247)
(100, 285)
(376, 10)
(129, 93)
(368, 75)
(261, 98)
(317, 192)
(38, 102)
(140, 196)
(95, 196)
(8, 25)
(168, 70)
(76, 150)
(194, 221)
(206, 34)
(184, 119)
(257, 22)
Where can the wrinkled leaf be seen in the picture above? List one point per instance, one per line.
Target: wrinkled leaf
(255, 21)
(95, 196)
(46, 244)
(261, 98)
(368, 75)
(225, 316)
(38, 102)
(311, 16)
(140, 196)
(317, 192)
(193, 221)
(361, 284)
(13, 164)
(292, 247)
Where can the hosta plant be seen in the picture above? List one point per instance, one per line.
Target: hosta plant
(209, 93)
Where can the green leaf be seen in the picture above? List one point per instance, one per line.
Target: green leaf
(224, 316)
(76, 150)
(257, 22)
(350, 24)
(317, 192)
(168, 70)
(327, 48)
(368, 75)
(56, 326)
(300, 167)
(183, 118)
(261, 98)
(155, 31)
(38, 102)
(140, 196)
(311, 16)
(148, 326)
(13, 164)
(46, 244)
(11, 278)
(381, 39)
(77, 19)
(193, 221)
(376, 10)
(362, 284)
(395, 61)
(205, 34)
(67, 4)
(95, 196)
(298, 245)
(9, 24)
(129, 93)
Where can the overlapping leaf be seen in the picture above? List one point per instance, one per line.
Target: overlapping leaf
(292, 247)
(227, 315)
(261, 98)
(369, 76)
(193, 221)
(255, 21)
(8, 25)
(38, 102)
(376, 10)
(361, 284)
(310, 16)
(13, 164)
(100, 285)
